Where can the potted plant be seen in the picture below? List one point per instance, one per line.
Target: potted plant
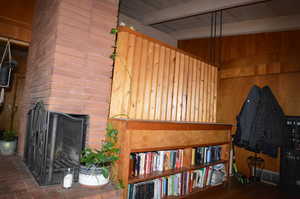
(8, 143)
(96, 164)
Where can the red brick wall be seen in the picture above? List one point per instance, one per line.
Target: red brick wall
(69, 65)
(40, 61)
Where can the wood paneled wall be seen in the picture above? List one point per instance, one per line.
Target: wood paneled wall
(262, 59)
(154, 81)
(13, 97)
(16, 19)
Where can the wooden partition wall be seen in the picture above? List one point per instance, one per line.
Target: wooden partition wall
(263, 59)
(154, 81)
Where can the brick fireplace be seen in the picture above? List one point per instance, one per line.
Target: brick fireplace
(69, 68)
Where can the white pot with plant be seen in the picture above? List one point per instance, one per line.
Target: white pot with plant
(96, 164)
(8, 143)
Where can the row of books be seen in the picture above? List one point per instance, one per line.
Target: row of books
(146, 163)
(178, 184)
(208, 176)
(206, 155)
(173, 185)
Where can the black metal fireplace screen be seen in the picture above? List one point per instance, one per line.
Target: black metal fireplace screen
(54, 142)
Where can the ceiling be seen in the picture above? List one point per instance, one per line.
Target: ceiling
(272, 9)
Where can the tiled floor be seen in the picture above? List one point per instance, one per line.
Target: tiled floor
(17, 183)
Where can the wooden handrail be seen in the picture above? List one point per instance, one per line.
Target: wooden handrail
(167, 125)
(126, 29)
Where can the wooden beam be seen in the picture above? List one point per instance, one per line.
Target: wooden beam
(14, 41)
(281, 23)
(193, 7)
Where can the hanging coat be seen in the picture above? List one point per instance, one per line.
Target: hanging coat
(260, 122)
(246, 118)
(268, 125)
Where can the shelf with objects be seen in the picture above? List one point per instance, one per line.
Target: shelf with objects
(172, 159)
(290, 155)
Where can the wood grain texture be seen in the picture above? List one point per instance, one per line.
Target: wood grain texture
(121, 72)
(164, 125)
(153, 81)
(15, 91)
(143, 136)
(16, 19)
(141, 139)
(262, 59)
(121, 168)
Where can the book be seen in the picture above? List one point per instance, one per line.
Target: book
(193, 156)
(148, 162)
(206, 155)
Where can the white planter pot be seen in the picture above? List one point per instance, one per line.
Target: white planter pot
(91, 177)
(8, 147)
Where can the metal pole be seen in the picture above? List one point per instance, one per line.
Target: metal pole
(220, 38)
(211, 38)
(215, 37)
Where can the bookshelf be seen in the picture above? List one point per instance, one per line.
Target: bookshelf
(137, 136)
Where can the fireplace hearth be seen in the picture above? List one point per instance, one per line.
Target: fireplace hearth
(54, 142)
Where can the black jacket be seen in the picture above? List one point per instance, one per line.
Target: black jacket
(246, 117)
(260, 122)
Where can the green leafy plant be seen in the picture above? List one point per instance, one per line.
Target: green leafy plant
(113, 55)
(9, 136)
(105, 157)
(120, 184)
(114, 31)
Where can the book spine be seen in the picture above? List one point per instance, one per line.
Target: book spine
(208, 155)
(181, 158)
(193, 156)
(143, 164)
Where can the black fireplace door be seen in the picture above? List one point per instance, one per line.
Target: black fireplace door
(54, 144)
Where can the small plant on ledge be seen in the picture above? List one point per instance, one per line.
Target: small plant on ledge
(8, 142)
(96, 164)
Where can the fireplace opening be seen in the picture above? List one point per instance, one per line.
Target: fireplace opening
(54, 142)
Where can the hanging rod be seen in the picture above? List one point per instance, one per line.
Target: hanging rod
(14, 41)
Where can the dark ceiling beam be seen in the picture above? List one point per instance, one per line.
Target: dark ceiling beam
(191, 8)
(272, 24)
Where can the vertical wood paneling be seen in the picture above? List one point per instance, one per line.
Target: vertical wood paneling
(184, 94)
(171, 84)
(119, 73)
(263, 59)
(161, 73)
(165, 85)
(201, 91)
(190, 102)
(128, 65)
(153, 81)
(141, 83)
(148, 81)
(180, 87)
(205, 92)
(209, 93)
(135, 78)
(215, 90)
(195, 93)
(154, 85)
(175, 87)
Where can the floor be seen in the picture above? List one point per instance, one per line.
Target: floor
(235, 190)
(17, 183)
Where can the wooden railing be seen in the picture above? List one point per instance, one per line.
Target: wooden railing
(154, 81)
